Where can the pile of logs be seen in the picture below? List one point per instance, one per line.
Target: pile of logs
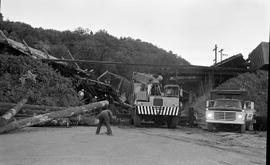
(35, 115)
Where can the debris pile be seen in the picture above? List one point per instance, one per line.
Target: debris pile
(56, 93)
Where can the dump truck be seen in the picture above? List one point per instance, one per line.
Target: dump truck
(229, 106)
(155, 100)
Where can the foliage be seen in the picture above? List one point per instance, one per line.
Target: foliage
(256, 85)
(85, 45)
(50, 88)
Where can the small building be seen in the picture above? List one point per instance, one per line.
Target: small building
(259, 57)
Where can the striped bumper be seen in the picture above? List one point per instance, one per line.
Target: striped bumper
(156, 110)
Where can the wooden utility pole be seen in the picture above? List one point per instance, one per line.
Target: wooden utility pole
(215, 50)
(1, 16)
(220, 51)
(210, 81)
(221, 54)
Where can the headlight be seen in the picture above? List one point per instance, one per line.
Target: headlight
(209, 115)
(240, 116)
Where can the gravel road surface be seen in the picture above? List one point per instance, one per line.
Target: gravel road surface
(130, 145)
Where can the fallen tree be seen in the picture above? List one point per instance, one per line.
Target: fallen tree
(29, 109)
(39, 119)
(7, 116)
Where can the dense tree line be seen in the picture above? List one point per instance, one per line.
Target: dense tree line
(86, 45)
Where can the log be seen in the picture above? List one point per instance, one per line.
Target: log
(7, 116)
(32, 107)
(56, 122)
(39, 119)
(88, 120)
(29, 109)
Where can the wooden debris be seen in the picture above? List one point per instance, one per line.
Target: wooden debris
(3, 37)
(93, 88)
(7, 116)
(24, 48)
(39, 119)
(27, 47)
(78, 67)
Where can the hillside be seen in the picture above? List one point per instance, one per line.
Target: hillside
(84, 44)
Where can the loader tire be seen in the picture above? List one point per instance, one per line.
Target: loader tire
(137, 120)
(210, 127)
(173, 122)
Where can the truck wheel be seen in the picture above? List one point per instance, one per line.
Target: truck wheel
(210, 127)
(137, 120)
(172, 123)
(249, 127)
(242, 128)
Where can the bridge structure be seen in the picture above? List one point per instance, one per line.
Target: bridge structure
(207, 77)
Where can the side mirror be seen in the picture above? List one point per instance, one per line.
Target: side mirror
(181, 105)
(209, 103)
(249, 105)
(181, 92)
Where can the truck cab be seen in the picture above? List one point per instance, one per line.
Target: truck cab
(229, 107)
(154, 102)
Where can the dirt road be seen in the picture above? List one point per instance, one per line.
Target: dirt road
(159, 146)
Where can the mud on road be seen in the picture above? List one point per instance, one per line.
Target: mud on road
(130, 145)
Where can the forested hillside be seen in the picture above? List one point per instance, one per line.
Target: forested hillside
(86, 45)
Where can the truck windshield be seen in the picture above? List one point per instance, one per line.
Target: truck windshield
(155, 90)
(171, 91)
(228, 103)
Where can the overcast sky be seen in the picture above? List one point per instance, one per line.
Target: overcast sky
(189, 28)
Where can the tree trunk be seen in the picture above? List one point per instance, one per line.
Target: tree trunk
(52, 115)
(7, 116)
(30, 109)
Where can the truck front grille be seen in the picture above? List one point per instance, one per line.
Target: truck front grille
(228, 116)
(158, 102)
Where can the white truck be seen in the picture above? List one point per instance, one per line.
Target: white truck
(155, 102)
(229, 106)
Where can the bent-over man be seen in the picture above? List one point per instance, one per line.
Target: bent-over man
(105, 117)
